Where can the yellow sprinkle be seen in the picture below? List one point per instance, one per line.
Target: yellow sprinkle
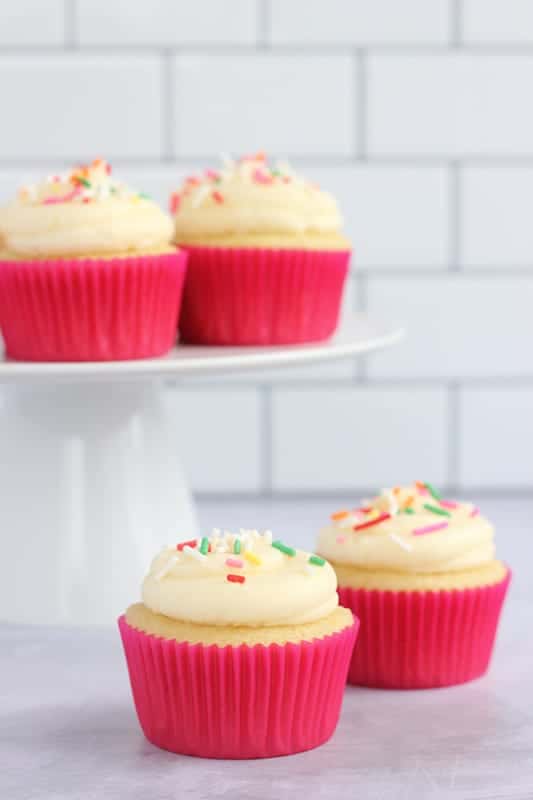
(252, 558)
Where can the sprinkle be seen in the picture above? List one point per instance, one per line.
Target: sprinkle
(391, 499)
(190, 543)
(166, 569)
(433, 492)
(430, 528)
(267, 537)
(409, 502)
(258, 176)
(437, 510)
(449, 504)
(339, 515)
(340, 539)
(407, 510)
(252, 558)
(212, 175)
(235, 578)
(194, 553)
(83, 181)
(399, 541)
(204, 546)
(217, 197)
(317, 561)
(376, 521)
(235, 562)
(175, 200)
(237, 546)
(474, 512)
(421, 487)
(289, 551)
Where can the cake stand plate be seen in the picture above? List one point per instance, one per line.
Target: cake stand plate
(90, 473)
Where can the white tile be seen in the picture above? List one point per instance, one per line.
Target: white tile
(74, 106)
(496, 441)
(162, 22)
(394, 215)
(497, 225)
(497, 21)
(218, 434)
(450, 104)
(358, 438)
(359, 21)
(31, 22)
(457, 326)
(280, 103)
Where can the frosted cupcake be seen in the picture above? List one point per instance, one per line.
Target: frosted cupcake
(421, 574)
(267, 259)
(88, 271)
(239, 648)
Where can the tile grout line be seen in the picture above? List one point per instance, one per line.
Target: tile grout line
(70, 21)
(360, 104)
(454, 211)
(167, 106)
(456, 24)
(263, 24)
(361, 305)
(453, 429)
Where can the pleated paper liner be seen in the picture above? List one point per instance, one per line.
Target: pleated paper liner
(237, 702)
(261, 296)
(420, 640)
(93, 309)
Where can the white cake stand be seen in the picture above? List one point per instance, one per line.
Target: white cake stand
(90, 476)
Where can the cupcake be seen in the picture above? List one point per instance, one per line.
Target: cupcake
(421, 575)
(267, 260)
(88, 271)
(239, 648)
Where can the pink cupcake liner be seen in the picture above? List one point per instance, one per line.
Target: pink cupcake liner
(420, 640)
(260, 296)
(237, 702)
(91, 309)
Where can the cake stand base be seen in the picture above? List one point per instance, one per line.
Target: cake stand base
(92, 487)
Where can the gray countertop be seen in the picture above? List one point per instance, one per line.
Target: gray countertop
(68, 728)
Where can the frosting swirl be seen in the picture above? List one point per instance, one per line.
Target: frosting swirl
(248, 197)
(409, 529)
(241, 580)
(82, 212)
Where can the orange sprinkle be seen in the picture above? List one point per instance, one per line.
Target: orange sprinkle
(339, 515)
(408, 502)
(396, 490)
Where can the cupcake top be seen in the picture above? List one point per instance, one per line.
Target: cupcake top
(248, 201)
(409, 529)
(243, 579)
(82, 212)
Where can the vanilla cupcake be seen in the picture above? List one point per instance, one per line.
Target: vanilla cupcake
(239, 648)
(421, 574)
(88, 271)
(267, 258)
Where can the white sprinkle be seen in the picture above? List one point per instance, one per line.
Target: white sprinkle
(194, 553)
(267, 537)
(221, 547)
(216, 532)
(393, 505)
(166, 569)
(203, 191)
(401, 542)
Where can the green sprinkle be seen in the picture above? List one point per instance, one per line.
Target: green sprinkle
(275, 173)
(289, 551)
(433, 492)
(437, 510)
(204, 546)
(317, 560)
(84, 182)
(144, 195)
(237, 546)
(407, 510)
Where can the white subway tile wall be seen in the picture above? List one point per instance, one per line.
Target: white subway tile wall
(416, 115)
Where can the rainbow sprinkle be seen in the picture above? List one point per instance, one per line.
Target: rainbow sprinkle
(252, 558)
(437, 510)
(283, 548)
(235, 578)
(317, 561)
(237, 546)
(362, 525)
(235, 562)
(204, 546)
(438, 526)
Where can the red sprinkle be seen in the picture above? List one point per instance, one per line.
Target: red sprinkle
(376, 521)
(235, 578)
(175, 199)
(190, 543)
(217, 197)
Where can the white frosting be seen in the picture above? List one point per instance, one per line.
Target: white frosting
(278, 589)
(463, 540)
(82, 212)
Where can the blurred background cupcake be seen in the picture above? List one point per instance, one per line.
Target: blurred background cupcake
(239, 648)
(87, 271)
(267, 259)
(421, 574)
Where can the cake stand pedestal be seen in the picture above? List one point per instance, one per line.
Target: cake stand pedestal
(90, 477)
